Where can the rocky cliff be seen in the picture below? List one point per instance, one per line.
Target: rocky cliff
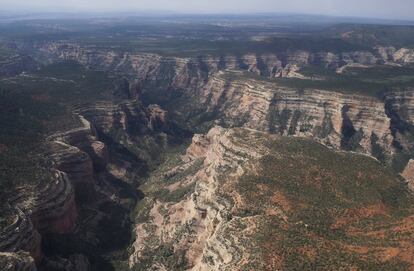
(238, 199)
(50, 207)
(195, 214)
(47, 208)
(191, 227)
(282, 64)
(377, 126)
(78, 153)
(352, 122)
(137, 134)
(198, 94)
(84, 195)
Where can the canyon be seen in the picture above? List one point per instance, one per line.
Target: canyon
(217, 162)
(205, 91)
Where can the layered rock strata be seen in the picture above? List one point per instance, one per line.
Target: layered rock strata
(282, 64)
(198, 94)
(344, 121)
(250, 200)
(50, 206)
(193, 226)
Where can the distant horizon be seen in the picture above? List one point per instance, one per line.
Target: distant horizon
(168, 13)
(401, 10)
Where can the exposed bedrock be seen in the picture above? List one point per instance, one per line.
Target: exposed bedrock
(85, 139)
(399, 106)
(281, 64)
(78, 166)
(195, 225)
(199, 92)
(50, 206)
(136, 134)
(80, 155)
(47, 207)
(129, 116)
(343, 121)
(190, 91)
(378, 126)
(54, 208)
(215, 225)
(197, 95)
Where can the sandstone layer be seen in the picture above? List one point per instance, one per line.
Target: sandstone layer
(244, 196)
(199, 92)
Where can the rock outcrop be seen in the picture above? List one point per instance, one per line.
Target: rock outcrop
(282, 64)
(137, 134)
(404, 56)
(198, 218)
(197, 92)
(129, 116)
(344, 121)
(85, 139)
(78, 153)
(50, 206)
(246, 201)
(77, 165)
(47, 207)
(54, 208)
(192, 227)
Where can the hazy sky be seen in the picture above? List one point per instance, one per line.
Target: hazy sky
(394, 9)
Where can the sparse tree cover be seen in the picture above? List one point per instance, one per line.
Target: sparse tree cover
(206, 143)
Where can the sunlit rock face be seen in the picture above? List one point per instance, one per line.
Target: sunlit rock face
(205, 222)
(245, 191)
(282, 64)
(404, 56)
(194, 90)
(343, 121)
(195, 223)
